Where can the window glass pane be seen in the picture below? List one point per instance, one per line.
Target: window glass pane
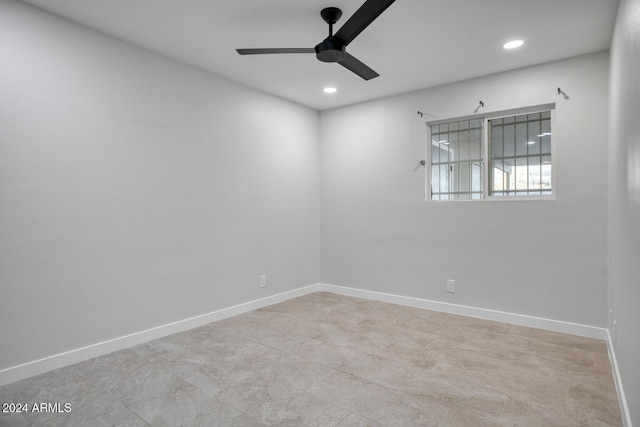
(545, 173)
(435, 129)
(454, 151)
(435, 179)
(545, 144)
(496, 141)
(525, 141)
(498, 176)
(444, 178)
(509, 174)
(533, 147)
(454, 175)
(520, 174)
(476, 177)
(534, 130)
(444, 152)
(453, 179)
(509, 140)
(534, 173)
(464, 176)
(545, 130)
(521, 139)
(533, 140)
(463, 145)
(475, 146)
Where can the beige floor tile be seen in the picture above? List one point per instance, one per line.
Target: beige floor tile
(529, 414)
(593, 407)
(274, 403)
(330, 360)
(354, 420)
(456, 394)
(467, 417)
(376, 402)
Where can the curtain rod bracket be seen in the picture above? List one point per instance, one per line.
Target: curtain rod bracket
(563, 93)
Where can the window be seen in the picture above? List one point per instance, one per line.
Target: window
(520, 161)
(456, 160)
(518, 155)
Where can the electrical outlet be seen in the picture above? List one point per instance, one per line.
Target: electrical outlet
(263, 281)
(451, 286)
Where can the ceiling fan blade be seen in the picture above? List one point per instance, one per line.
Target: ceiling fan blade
(353, 64)
(268, 51)
(361, 19)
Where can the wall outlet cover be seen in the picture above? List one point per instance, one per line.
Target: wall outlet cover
(451, 286)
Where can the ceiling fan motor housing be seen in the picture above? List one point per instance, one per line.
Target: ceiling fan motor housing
(330, 50)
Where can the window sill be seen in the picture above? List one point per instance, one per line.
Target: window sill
(499, 199)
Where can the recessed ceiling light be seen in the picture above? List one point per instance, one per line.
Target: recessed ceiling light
(330, 90)
(513, 44)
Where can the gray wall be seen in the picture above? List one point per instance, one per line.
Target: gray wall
(137, 191)
(624, 199)
(538, 258)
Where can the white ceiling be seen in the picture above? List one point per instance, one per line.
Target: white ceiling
(413, 45)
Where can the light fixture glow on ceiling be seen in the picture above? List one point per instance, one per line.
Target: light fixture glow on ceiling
(330, 90)
(513, 44)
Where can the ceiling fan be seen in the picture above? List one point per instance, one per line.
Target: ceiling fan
(333, 48)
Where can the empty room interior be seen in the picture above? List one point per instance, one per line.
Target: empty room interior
(212, 213)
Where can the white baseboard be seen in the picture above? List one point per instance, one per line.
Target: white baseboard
(46, 364)
(622, 399)
(481, 313)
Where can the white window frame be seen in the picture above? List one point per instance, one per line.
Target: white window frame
(486, 153)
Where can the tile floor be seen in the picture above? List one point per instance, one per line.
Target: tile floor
(330, 360)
